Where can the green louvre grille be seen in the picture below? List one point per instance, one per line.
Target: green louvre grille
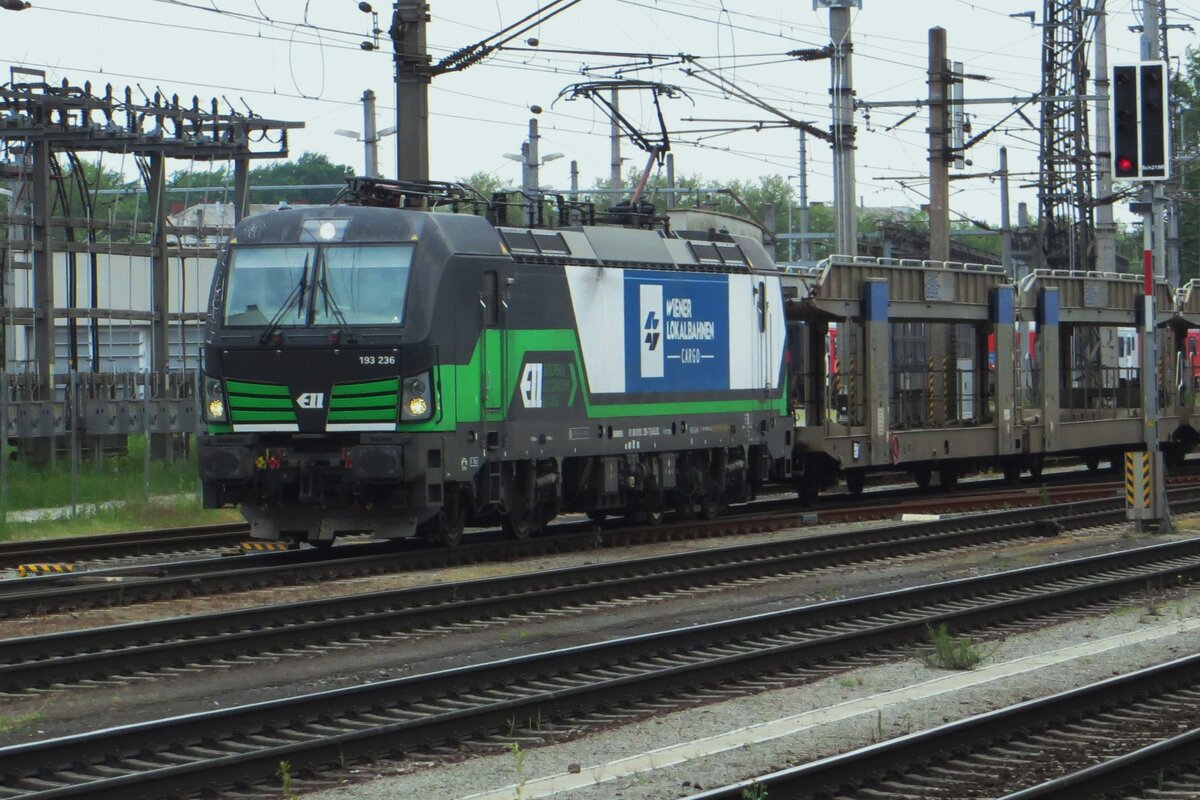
(366, 401)
(261, 403)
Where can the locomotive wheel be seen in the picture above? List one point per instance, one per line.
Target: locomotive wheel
(1012, 472)
(597, 516)
(520, 522)
(710, 506)
(446, 526)
(855, 479)
(1035, 467)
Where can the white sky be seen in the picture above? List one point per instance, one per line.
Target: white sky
(264, 52)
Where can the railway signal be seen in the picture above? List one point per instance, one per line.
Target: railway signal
(1139, 124)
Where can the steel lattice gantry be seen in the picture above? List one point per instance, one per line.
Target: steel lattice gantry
(39, 120)
(1065, 210)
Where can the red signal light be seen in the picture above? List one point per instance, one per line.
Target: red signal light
(1124, 165)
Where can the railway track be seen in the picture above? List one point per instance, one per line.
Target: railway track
(1134, 735)
(90, 553)
(124, 586)
(557, 692)
(196, 640)
(108, 549)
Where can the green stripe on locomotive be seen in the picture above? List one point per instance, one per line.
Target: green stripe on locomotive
(460, 386)
(245, 387)
(257, 403)
(367, 415)
(341, 391)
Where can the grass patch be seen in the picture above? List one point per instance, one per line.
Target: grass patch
(137, 514)
(952, 652)
(755, 791)
(10, 724)
(112, 478)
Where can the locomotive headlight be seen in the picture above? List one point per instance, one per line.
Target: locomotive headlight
(416, 399)
(418, 406)
(214, 400)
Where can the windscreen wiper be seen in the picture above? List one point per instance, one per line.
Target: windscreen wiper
(331, 304)
(297, 293)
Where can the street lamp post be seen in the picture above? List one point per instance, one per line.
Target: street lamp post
(369, 137)
(530, 162)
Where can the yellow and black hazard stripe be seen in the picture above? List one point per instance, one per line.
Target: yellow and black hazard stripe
(1130, 481)
(25, 570)
(1132, 486)
(265, 547)
(1146, 480)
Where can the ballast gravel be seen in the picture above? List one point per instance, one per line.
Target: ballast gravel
(1163, 628)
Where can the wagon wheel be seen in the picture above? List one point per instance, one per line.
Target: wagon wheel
(1035, 467)
(855, 480)
(923, 477)
(807, 491)
(710, 505)
(948, 477)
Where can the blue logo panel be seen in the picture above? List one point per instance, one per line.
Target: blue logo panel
(677, 336)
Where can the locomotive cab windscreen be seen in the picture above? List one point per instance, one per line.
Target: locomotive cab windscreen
(272, 287)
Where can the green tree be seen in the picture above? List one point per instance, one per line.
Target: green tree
(81, 184)
(202, 178)
(309, 169)
(483, 182)
(1185, 96)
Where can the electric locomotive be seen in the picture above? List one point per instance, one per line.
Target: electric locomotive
(371, 368)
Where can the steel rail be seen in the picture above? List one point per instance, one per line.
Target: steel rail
(126, 585)
(990, 494)
(246, 743)
(122, 545)
(39, 661)
(1090, 713)
(1150, 764)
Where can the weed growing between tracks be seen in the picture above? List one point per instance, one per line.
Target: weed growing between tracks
(9, 724)
(519, 756)
(285, 779)
(755, 791)
(953, 652)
